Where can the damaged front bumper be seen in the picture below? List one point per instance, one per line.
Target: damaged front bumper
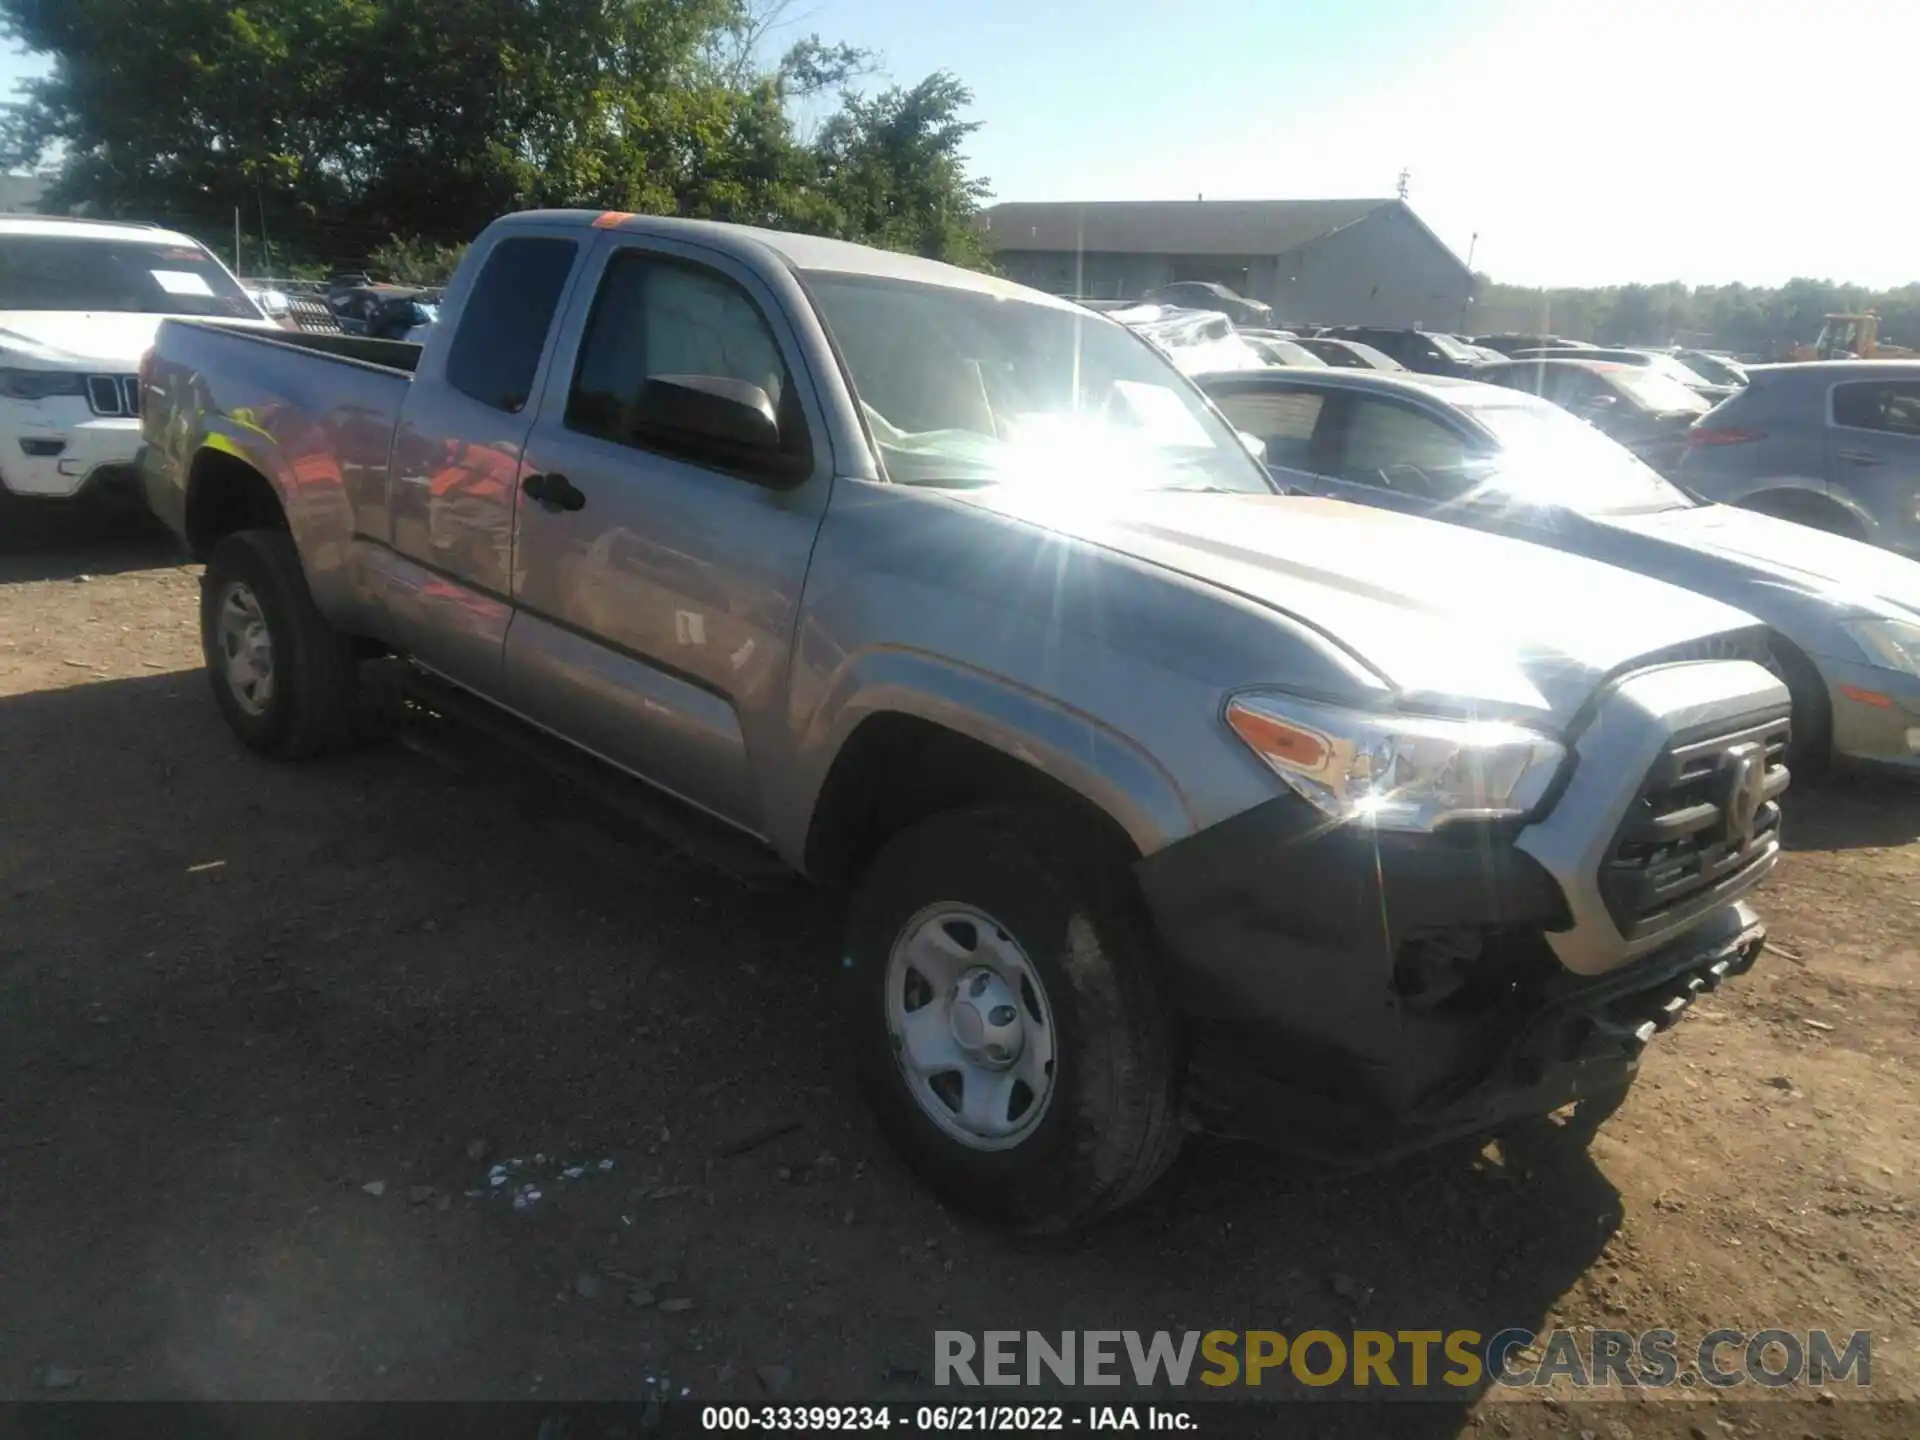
(1356, 996)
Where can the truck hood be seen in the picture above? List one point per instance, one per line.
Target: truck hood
(1445, 615)
(1846, 572)
(82, 339)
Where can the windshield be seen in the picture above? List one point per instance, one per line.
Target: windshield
(1451, 347)
(1653, 389)
(1549, 457)
(1679, 370)
(1722, 372)
(58, 272)
(962, 388)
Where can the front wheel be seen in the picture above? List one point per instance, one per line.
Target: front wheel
(285, 679)
(1810, 748)
(1007, 1018)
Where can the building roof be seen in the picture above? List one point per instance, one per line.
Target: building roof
(1172, 227)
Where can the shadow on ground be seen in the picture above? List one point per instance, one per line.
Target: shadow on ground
(236, 999)
(59, 539)
(1853, 810)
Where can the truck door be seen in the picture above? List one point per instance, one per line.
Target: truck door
(456, 453)
(656, 585)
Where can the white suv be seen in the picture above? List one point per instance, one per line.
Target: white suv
(80, 301)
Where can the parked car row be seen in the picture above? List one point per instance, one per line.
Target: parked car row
(1838, 450)
(1843, 617)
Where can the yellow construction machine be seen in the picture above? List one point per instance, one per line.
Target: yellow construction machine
(1852, 337)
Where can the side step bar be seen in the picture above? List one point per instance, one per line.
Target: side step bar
(462, 744)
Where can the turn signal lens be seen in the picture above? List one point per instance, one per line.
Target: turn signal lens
(1277, 739)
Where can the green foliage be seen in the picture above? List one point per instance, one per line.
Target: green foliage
(894, 171)
(329, 126)
(415, 262)
(1748, 319)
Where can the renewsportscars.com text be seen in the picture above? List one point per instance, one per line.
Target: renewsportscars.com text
(1446, 1360)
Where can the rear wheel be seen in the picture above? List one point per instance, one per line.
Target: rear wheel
(1008, 1025)
(286, 680)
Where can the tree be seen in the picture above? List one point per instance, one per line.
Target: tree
(329, 126)
(415, 262)
(1751, 320)
(894, 171)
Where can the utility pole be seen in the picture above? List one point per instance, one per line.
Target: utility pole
(1472, 245)
(1400, 185)
(236, 241)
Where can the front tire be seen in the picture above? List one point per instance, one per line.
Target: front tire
(286, 680)
(1008, 1023)
(1810, 750)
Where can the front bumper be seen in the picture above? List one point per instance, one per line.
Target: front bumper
(1357, 994)
(1357, 997)
(1876, 713)
(76, 449)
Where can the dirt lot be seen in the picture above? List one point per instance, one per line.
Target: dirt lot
(236, 998)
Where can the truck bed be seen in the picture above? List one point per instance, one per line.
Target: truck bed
(314, 414)
(401, 355)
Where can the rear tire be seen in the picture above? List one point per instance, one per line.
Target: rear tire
(1072, 1047)
(286, 680)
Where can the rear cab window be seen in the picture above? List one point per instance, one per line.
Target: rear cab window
(496, 350)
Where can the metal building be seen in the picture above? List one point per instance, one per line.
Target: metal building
(1362, 262)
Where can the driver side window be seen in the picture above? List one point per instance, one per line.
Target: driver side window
(661, 318)
(1385, 440)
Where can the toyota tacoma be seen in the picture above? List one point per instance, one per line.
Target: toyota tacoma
(1165, 800)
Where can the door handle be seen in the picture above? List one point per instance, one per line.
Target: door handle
(553, 491)
(1861, 457)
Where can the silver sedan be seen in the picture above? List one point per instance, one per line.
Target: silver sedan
(1844, 616)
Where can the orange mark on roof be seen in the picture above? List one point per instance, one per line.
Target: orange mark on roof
(610, 218)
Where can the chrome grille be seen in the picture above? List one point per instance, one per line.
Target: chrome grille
(114, 394)
(1707, 814)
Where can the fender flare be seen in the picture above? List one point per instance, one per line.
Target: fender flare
(1101, 765)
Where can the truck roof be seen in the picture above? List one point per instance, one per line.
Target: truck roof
(801, 252)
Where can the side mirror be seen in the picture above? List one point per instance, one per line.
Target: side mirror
(729, 423)
(1600, 404)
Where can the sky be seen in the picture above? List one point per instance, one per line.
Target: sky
(1695, 140)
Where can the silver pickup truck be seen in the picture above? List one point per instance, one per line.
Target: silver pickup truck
(1165, 800)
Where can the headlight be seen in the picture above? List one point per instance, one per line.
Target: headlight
(1890, 644)
(1398, 772)
(39, 384)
